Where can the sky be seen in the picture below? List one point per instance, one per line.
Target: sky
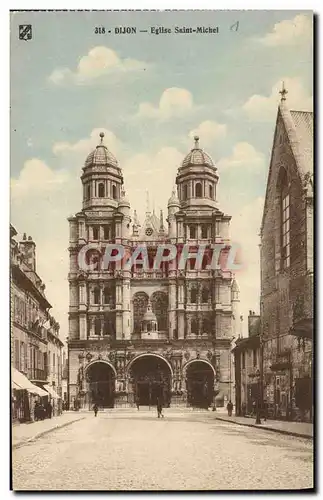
(150, 94)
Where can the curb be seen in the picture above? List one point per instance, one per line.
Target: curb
(279, 431)
(43, 433)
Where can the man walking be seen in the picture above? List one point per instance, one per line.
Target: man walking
(159, 408)
(230, 408)
(95, 409)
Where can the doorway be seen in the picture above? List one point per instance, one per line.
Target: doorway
(101, 385)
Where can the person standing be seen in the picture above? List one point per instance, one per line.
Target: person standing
(137, 403)
(230, 408)
(159, 408)
(49, 409)
(95, 409)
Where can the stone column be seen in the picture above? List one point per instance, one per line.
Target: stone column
(126, 308)
(172, 308)
(83, 326)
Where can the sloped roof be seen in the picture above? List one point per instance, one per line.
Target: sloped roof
(303, 123)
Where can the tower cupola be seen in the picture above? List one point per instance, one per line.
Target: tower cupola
(102, 178)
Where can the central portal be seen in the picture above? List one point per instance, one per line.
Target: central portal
(101, 385)
(151, 379)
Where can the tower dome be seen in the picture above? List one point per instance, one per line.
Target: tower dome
(197, 156)
(124, 201)
(101, 156)
(101, 178)
(197, 179)
(173, 200)
(149, 315)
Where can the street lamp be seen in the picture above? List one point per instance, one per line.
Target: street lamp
(258, 421)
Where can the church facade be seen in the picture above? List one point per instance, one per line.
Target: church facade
(140, 333)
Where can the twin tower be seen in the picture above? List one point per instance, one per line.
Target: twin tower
(128, 325)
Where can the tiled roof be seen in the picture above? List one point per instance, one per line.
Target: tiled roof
(303, 123)
(101, 156)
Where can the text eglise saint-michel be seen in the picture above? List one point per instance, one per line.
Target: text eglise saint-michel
(157, 30)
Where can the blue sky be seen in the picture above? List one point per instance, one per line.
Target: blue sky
(150, 94)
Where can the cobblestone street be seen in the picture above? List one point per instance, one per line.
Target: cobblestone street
(183, 451)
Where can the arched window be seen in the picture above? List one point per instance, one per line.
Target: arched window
(140, 302)
(101, 190)
(192, 232)
(198, 190)
(96, 295)
(97, 326)
(193, 295)
(159, 304)
(205, 295)
(285, 220)
(211, 191)
(185, 192)
(106, 230)
(204, 231)
(108, 295)
(114, 192)
(95, 233)
(206, 325)
(88, 191)
(194, 326)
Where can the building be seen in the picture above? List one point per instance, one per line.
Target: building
(136, 334)
(287, 267)
(35, 342)
(247, 362)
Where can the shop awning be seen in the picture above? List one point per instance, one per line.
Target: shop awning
(21, 382)
(51, 391)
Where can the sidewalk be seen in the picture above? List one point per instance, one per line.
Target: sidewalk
(299, 429)
(22, 433)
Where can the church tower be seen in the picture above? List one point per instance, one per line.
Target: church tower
(140, 332)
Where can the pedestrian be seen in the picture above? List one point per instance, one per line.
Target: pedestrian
(230, 408)
(37, 410)
(159, 408)
(95, 409)
(49, 409)
(137, 403)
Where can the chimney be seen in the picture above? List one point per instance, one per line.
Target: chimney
(28, 249)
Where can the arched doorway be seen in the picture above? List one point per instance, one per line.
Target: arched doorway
(150, 377)
(101, 384)
(199, 383)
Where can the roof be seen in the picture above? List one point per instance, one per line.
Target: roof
(299, 129)
(197, 156)
(101, 156)
(303, 123)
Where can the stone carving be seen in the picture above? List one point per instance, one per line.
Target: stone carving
(112, 356)
(130, 356)
(187, 355)
(210, 355)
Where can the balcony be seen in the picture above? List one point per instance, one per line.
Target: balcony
(282, 361)
(37, 375)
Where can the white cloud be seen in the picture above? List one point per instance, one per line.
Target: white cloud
(264, 108)
(244, 156)
(41, 200)
(99, 61)
(209, 131)
(37, 176)
(289, 32)
(85, 146)
(174, 102)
